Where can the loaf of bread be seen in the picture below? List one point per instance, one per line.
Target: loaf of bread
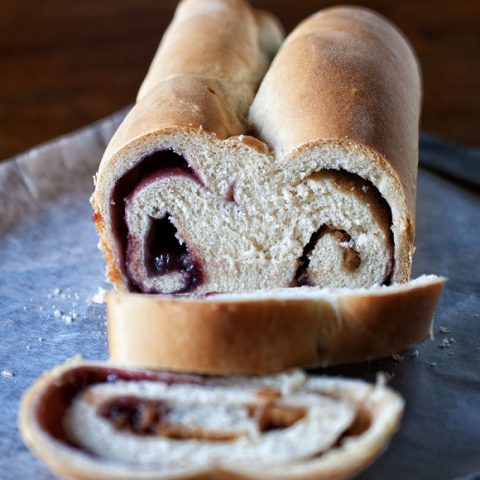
(206, 187)
(96, 421)
(269, 331)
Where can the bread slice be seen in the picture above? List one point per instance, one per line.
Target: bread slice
(97, 421)
(206, 187)
(269, 331)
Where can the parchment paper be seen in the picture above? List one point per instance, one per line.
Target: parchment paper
(50, 268)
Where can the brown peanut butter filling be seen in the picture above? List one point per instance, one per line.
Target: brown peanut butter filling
(351, 259)
(142, 416)
(275, 417)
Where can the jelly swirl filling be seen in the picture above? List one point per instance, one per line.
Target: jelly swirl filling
(175, 236)
(164, 418)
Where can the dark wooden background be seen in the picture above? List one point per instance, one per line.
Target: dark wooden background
(65, 63)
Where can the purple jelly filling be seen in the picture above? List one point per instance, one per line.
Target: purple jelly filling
(163, 252)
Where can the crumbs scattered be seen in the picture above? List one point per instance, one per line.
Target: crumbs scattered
(446, 343)
(57, 293)
(7, 373)
(99, 297)
(64, 295)
(443, 329)
(60, 294)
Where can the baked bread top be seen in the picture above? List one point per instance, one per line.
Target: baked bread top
(316, 187)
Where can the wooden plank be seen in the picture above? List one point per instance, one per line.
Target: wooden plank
(66, 64)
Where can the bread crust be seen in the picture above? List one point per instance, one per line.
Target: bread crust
(200, 84)
(347, 76)
(254, 335)
(380, 405)
(345, 81)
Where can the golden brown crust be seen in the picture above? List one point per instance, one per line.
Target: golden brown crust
(201, 83)
(347, 76)
(263, 335)
(379, 412)
(344, 79)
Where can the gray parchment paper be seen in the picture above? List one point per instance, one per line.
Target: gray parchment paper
(50, 268)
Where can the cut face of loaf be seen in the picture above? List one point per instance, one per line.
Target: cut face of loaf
(316, 187)
(103, 422)
(273, 226)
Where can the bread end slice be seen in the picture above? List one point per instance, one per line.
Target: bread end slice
(269, 331)
(49, 402)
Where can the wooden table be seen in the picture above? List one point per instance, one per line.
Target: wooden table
(64, 64)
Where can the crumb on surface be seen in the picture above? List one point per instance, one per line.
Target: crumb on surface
(414, 353)
(446, 343)
(7, 373)
(99, 297)
(443, 329)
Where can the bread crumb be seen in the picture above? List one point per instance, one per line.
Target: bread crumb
(67, 319)
(41, 339)
(414, 353)
(7, 373)
(99, 297)
(446, 343)
(57, 313)
(443, 329)
(397, 357)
